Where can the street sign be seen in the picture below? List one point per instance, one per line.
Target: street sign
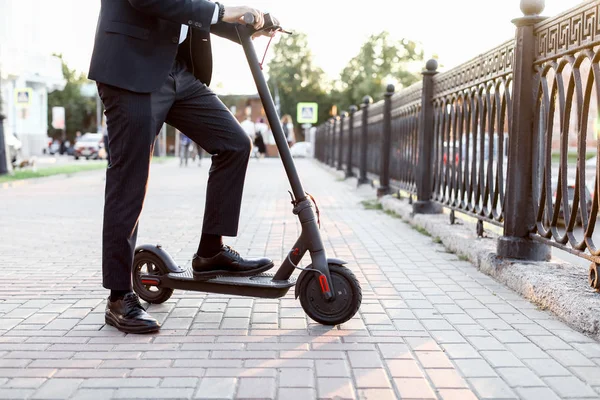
(23, 97)
(308, 113)
(58, 117)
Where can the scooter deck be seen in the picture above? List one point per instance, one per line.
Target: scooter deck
(261, 285)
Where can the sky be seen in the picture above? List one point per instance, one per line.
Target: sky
(454, 30)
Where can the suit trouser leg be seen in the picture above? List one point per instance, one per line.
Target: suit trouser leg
(133, 121)
(201, 116)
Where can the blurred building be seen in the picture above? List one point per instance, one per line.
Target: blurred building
(244, 106)
(26, 74)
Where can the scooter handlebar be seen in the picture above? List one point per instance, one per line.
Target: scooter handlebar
(271, 24)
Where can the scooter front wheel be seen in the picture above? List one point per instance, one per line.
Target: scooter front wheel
(146, 263)
(348, 296)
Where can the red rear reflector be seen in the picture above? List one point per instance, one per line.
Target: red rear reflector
(150, 281)
(324, 284)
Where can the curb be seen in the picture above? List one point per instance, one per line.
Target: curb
(554, 286)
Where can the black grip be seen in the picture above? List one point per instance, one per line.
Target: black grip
(249, 18)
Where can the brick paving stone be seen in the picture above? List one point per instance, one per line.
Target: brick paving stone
(571, 358)
(460, 351)
(192, 363)
(93, 394)
(491, 388)
(475, 368)
(404, 368)
(24, 383)
(547, 368)
(120, 382)
(91, 373)
(433, 359)
(376, 394)
(414, 388)
(499, 359)
(591, 375)
(371, 378)
(332, 368)
(295, 393)
(520, 377)
(364, 359)
(550, 342)
(296, 378)
(335, 388)
(430, 325)
(165, 372)
(395, 351)
(16, 393)
(256, 388)
(216, 388)
(486, 343)
(154, 393)
(570, 387)
(446, 378)
(457, 394)
(57, 388)
(247, 372)
(537, 393)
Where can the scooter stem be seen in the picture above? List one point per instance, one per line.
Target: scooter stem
(245, 35)
(310, 240)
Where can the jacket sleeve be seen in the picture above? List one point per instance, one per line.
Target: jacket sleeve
(195, 13)
(226, 30)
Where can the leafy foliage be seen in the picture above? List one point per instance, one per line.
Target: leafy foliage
(80, 111)
(297, 78)
(381, 60)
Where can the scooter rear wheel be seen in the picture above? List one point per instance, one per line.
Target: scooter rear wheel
(146, 263)
(348, 296)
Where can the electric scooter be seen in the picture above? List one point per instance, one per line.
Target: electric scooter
(329, 292)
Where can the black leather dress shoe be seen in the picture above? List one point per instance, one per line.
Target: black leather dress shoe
(128, 315)
(228, 262)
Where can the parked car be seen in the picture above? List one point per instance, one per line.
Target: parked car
(89, 146)
(570, 197)
(301, 149)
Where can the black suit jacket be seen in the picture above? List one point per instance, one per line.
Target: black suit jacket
(137, 41)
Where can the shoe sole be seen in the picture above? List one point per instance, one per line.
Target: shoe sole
(213, 274)
(108, 318)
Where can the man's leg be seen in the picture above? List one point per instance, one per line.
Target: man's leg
(201, 116)
(130, 140)
(133, 120)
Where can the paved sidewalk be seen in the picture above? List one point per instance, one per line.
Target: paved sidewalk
(430, 327)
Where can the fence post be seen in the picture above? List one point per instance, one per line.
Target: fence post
(426, 138)
(386, 144)
(340, 164)
(333, 144)
(364, 140)
(328, 142)
(519, 218)
(349, 172)
(4, 157)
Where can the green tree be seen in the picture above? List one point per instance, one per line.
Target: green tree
(297, 78)
(80, 111)
(381, 60)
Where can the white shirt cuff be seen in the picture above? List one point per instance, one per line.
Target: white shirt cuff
(215, 17)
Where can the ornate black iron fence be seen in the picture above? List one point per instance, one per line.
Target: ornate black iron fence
(505, 137)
